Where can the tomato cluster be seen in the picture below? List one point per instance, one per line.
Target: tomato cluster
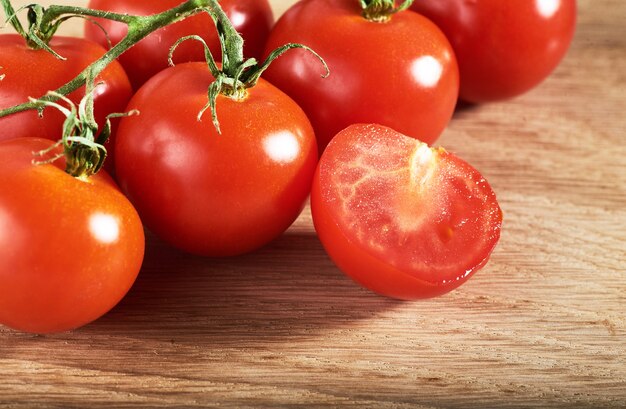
(402, 218)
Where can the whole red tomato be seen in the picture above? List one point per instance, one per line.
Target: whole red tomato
(400, 73)
(504, 48)
(252, 18)
(402, 219)
(69, 248)
(212, 194)
(32, 73)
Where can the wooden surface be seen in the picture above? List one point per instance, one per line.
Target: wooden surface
(543, 325)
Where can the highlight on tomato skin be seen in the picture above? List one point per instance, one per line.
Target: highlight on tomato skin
(402, 219)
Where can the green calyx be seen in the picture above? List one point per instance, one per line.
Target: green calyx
(83, 147)
(236, 74)
(381, 10)
(40, 30)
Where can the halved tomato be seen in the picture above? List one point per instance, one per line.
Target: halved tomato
(402, 219)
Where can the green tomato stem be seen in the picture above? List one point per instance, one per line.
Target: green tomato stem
(237, 73)
(84, 152)
(381, 10)
(138, 28)
(12, 17)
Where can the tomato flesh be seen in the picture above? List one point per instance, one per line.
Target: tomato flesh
(70, 249)
(405, 220)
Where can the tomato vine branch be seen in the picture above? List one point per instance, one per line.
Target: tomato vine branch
(48, 20)
(83, 146)
(235, 76)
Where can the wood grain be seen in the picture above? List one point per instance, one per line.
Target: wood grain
(543, 325)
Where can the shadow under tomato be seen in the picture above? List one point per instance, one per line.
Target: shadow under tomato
(287, 291)
(464, 107)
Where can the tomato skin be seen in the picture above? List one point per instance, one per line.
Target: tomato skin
(210, 194)
(251, 18)
(369, 271)
(69, 249)
(32, 73)
(399, 218)
(401, 73)
(504, 48)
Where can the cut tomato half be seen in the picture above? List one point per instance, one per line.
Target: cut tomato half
(403, 219)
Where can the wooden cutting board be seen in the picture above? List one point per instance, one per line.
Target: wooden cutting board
(543, 325)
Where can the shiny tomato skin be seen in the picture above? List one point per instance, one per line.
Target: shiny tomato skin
(401, 73)
(69, 249)
(504, 48)
(210, 194)
(402, 219)
(253, 19)
(32, 73)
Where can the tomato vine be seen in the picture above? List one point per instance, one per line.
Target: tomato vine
(47, 20)
(235, 75)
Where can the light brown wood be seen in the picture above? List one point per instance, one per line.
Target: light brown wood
(542, 325)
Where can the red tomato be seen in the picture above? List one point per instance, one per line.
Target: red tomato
(69, 248)
(30, 73)
(252, 18)
(401, 73)
(504, 48)
(402, 219)
(211, 194)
